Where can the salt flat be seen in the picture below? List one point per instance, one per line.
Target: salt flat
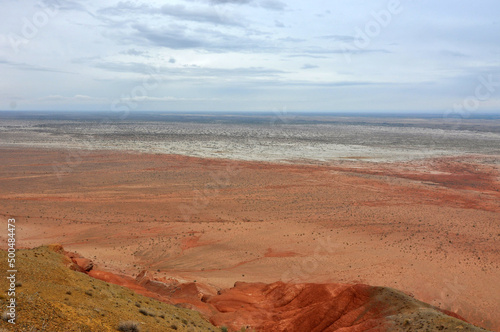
(269, 139)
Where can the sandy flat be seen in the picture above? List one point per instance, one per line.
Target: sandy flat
(428, 227)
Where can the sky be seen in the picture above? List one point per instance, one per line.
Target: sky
(250, 55)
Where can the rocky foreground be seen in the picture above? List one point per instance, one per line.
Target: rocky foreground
(58, 291)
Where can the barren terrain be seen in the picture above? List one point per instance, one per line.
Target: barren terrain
(407, 203)
(429, 227)
(58, 291)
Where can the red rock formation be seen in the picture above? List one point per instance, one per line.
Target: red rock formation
(75, 261)
(189, 295)
(84, 263)
(288, 307)
(299, 307)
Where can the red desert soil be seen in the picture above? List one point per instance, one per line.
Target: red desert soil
(430, 228)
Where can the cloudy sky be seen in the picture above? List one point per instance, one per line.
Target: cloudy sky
(250, 55)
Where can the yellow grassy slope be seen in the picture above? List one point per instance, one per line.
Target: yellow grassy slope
(52, 297)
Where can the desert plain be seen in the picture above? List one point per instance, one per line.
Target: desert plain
(425, 222)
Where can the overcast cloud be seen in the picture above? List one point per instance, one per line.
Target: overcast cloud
(241, 55)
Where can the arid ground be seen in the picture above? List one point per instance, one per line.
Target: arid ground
(429, 227)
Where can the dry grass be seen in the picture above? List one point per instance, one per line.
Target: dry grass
(55, 298)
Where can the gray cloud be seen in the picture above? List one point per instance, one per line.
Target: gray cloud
(272, 5)
(292, 40)
(30, 67)
(128, 67)
(357, 51)
(123, 8)
(202, 14)
(453, 53)
(207, 15)
(85, 60)
(305, 55)
(75, 98)
(275, 5)
(237, 2)
(133, 51)
(64, 5)
(336, 84)
(173, 38)
(178, 37)
(341, 38)
(309, 66)
(344, 51)
(188, 71)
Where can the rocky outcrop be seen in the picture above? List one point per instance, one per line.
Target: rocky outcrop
(84, 263)
(189, 295)
(80, 263)
(327, 307)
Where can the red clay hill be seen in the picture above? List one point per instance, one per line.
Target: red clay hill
(288, 306)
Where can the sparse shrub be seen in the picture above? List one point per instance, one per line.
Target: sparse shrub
(223, 329)
(128, 326)
(89, 293)
(18, 284)
(68, 292)
(147, 312)
(137, 304)
(185, 322)
(173, 327)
